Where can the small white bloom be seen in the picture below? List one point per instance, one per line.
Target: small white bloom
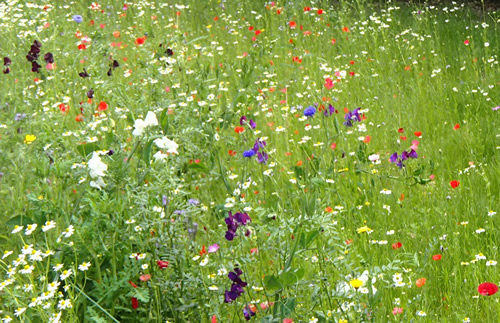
(84, 266)
(165, 143)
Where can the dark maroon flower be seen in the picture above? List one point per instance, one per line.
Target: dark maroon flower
(90, 94)
(48, 58)
(6, 61)
(84, 74)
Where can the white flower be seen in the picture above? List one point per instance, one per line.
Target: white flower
(84, 266)
(55, 318)
(491, 263)
(213, 287)
(17, 228)
(64, 304)
(165, 143)
(65, 274)
(48, 225)
(20, 311)
(96, 166)
(7, 253)
(52, 287)
(68, 232)
(385, 191)
(421, 313)
(140, 124)
(204, 262)
(30, 228)
(57, 267)
(98, 183)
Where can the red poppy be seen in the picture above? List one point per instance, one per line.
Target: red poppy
(436, 257)
(79, 118)
(82, 47)
(140, 40)
(307, 9)
(63, 107)
(203, 251)
(292, 24)
(487, 289)
(418, 133)
(367, 139)
(346, 29)
(135, 303)
(454, 184)
(401, 130)
(334, 41)
(257, 32)
(232, 152)
(457, 126)
(239, 129)
(162, 264)
(333, 146)
(329, 83)
(466, 42)
(102, 106)
(320, 12)
(397, 245)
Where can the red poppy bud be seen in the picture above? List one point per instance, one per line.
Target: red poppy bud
(135, 303)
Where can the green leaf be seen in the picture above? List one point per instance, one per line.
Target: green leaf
(199, 167)
(286, 307)
(292, 277)
(19, 220)
(142, 294)
(272, 283)
(146, 153)
(86, 149)
(307, 237)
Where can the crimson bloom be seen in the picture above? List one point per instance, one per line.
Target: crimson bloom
(135, 303)
(454, 184)
(487, 289)
(436, 257)
(162, 264)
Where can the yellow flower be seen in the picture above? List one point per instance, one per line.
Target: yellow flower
(356, 283)
(29, 139)
(364, 229)
(343, 321)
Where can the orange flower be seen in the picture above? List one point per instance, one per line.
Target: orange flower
(239, 129)
(420, 282)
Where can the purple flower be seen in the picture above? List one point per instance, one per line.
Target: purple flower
(242, 120)
(233, 222)
(393, 158)
(249, 153)
(236, 287)
(78, 18)
(164, 200)
(258, 144)
(352, 116)
(193, 202)
(309, 111)
(262, 157)
(19, 116)
(252, 124)
(248, 313)
(329, 111)
(496, 108)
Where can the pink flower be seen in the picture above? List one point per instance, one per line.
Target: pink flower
(145, 277)
(213, 248)
(397, 310)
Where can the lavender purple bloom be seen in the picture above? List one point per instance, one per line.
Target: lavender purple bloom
(352, 116)
(395, 158)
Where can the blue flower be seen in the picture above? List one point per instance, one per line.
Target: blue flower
(249, 153)
(78, 18)
(309, 111)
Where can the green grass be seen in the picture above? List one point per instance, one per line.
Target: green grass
(405, 66)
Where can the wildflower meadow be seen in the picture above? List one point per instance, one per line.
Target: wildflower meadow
(266, 161)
